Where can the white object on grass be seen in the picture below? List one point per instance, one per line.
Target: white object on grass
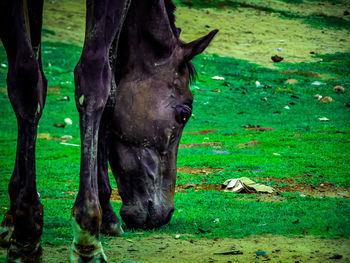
(218, 78)
(68, 121)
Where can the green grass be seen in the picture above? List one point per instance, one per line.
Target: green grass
(305, 145)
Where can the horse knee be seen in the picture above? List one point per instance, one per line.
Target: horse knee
(26, 88)
(92, 81)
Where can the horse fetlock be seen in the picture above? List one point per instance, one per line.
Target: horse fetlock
(28, 223)
(86, 247)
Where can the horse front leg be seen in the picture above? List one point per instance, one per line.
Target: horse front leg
(20, 32)
(93, 77)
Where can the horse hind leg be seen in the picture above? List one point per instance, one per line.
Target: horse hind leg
(110, 222)
(27, 91)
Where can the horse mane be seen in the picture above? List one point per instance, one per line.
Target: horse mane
(170, 9)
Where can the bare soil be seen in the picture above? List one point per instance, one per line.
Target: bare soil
(287, 185)
(166, 248)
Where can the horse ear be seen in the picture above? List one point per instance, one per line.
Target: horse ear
(196, 47)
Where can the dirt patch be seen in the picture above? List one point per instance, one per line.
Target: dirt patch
(324, 189)
(189, 170)
(165, 248)
(248, 144)
(258, 128)
(203, 132)
(56, 90)
(205, 144)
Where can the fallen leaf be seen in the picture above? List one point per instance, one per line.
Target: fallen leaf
(291, 81)
(339, 89)
(326, 99)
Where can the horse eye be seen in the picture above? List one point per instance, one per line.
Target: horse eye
(182, 113)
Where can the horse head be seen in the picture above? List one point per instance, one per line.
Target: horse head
(153, 105)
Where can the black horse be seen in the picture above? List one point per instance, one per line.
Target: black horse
(133, 97)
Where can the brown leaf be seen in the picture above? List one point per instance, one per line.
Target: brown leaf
(291, 81)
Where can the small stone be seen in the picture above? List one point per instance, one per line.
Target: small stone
(276, 58)
(336, 256)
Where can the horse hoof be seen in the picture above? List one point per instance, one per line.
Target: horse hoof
(24, 253)
(5, 236)
(99, 258)
(86, 248)
(112, 229)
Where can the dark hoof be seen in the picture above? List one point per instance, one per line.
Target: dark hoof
(86, 248)
(5, 236)
(99, 258)
(112, 229)
(24, 253)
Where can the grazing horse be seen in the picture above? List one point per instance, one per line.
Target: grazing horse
(133, 97)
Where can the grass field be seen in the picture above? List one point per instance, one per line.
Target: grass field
(253, 123)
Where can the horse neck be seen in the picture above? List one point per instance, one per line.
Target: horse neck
(147, 38)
